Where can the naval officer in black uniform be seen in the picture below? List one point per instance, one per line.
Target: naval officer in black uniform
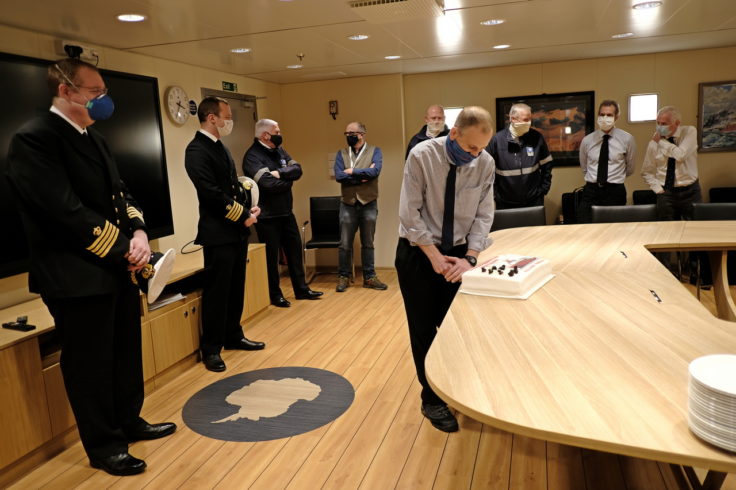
(86, 234)
(225, 215)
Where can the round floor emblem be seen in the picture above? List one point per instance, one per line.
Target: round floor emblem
(268, 404)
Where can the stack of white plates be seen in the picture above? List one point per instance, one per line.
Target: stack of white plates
(712, 399)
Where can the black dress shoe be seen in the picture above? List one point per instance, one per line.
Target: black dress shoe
(147, 432)
(309, 294)
(244, 344)
(213, 362)
(440, 417)
(281, 302)
(122, 464)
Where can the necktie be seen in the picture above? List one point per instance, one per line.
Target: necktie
(669, 179)
(448, 217)
(603, 161)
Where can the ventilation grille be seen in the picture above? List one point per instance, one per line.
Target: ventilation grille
(385, 11)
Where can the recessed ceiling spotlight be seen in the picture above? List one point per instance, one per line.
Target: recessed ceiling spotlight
(131, 17)
(501, 46)
(647, 5)
(392, 57)
(623, 35)
(492, 22)
(294, 67)
(358, 37)
(240, 50)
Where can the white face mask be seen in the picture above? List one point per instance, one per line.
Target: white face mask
(521, 128)
(606, 122)
(664, 130)
(435, 126)
(227, 128)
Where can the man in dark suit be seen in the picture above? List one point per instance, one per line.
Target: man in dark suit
(268, 164)
(86, 234)
(224, 218)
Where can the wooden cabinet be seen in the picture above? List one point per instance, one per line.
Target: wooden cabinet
(175, 332)
(24, 417)
(256, 282)
(60, 412)
(149, 366)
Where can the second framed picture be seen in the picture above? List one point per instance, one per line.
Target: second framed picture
(563, 120)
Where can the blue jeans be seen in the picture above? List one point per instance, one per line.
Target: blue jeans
(352, 217)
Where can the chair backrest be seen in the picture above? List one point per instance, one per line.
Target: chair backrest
(644, 197)
(714, 210)
(722, 194)
(624, 214)
(324, 217)
(514, 218)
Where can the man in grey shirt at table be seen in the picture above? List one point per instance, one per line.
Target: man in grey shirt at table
(445, 212)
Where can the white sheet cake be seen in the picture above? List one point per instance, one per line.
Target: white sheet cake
(508, 276)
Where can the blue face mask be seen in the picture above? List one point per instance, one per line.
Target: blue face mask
(663, 130)
(100, 108)
(458, 156)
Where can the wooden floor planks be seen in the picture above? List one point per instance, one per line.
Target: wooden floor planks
(382, 441)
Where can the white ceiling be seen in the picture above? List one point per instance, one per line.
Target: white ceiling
(201, 32)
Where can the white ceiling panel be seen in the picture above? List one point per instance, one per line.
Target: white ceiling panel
(202, 33)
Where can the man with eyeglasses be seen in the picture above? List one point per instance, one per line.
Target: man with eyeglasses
(86, 234)
(273, 169)
(357, 168)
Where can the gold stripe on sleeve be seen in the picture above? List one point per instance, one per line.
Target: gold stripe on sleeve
(103, 243)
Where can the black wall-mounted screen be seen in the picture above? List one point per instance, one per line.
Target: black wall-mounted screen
(134, 134)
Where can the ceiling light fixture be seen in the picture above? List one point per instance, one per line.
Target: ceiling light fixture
(358, 37)
(131, 17)
(623, 35)
(647, 5)
(240, 50)
(294, 67)
(492, 22)
(501, 46)
(392, 57)
(300, 57)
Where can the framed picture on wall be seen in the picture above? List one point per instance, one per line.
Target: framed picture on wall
(717, 116)
(563, 120)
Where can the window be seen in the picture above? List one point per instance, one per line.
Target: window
(451, 114)
(642, 107)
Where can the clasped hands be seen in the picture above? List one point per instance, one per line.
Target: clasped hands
(255, 211)
(451, 268)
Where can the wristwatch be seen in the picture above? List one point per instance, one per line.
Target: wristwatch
(471, 259)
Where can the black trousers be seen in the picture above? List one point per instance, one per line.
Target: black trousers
(277, 233)
(102, 366)
(677, 203)
(223, 295)
(593, 194)
(537, 201)
(427, 297)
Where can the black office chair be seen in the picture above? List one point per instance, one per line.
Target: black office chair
(517, 217)
(624, 214)
(709, 211)
(722, 194)
(644, 197)
(324, 217)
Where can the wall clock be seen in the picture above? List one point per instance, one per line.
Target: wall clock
(177, 104)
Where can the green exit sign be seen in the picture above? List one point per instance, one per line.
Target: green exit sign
(230, 86)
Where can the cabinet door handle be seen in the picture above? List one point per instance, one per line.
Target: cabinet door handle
(186, 314)
(194, 309)
(247, 261)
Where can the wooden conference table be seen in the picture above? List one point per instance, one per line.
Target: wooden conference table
(592, 359)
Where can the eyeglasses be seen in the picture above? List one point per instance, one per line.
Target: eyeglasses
(353, 133)
(96, 91)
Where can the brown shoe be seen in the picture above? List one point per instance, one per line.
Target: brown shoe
(342, 283)
(374, 283)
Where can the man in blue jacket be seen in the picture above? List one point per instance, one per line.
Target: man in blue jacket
(273, 169)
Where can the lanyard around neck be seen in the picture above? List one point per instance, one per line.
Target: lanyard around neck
(350, 154)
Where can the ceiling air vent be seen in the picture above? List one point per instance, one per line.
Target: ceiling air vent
(385, 11)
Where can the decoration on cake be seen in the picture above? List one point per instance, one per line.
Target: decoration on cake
(507, 276)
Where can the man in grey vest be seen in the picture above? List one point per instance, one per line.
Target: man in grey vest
(357, 168)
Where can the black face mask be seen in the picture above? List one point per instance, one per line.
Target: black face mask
(276, 139)
(352, 140)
